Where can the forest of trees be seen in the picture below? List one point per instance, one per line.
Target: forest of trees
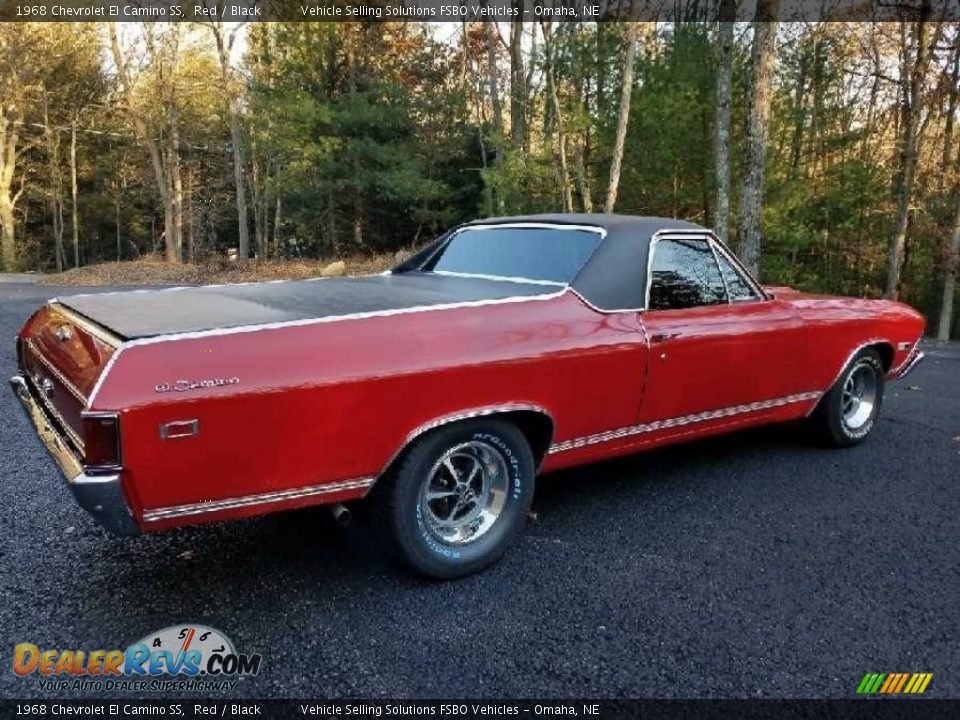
(825, 153)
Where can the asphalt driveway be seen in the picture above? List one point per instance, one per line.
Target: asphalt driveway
(753, 565)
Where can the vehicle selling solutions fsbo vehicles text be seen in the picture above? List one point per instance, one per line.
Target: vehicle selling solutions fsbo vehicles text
(442, 11)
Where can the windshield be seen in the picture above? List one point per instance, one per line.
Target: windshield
(530, 253)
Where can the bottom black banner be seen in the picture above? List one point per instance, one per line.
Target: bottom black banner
(872, 709)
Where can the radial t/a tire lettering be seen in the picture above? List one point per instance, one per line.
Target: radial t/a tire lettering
(457, 498)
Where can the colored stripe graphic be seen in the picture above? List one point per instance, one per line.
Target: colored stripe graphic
(891, 681)
(870, 683)
(894, 683)
(903, 679)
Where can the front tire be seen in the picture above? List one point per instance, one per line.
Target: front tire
(458, 498)
(848, 411)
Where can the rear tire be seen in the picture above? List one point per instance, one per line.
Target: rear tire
(848, 411)
(457, 499)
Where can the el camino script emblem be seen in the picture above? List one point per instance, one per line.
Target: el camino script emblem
(184, 385)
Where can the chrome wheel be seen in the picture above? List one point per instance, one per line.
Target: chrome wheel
(860, 392)
(465, 492)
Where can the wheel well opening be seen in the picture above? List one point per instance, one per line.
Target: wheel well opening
(536, 427)
(886, 354)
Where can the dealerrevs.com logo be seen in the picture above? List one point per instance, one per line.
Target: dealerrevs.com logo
(181, 657)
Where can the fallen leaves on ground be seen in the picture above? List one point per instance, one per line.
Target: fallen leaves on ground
(154, 271)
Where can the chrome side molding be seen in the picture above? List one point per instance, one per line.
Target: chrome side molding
(619, 433)
(201, 508)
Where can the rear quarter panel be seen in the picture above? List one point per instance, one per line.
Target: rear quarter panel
(332, 401)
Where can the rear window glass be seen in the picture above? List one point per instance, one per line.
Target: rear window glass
(545, 254)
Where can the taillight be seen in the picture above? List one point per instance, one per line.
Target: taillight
(101, 440)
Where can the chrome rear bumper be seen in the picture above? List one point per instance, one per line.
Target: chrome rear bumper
(100, 495)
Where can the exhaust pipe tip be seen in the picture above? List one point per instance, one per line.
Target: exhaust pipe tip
(341, 514)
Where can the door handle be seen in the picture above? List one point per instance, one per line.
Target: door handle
(662, 337)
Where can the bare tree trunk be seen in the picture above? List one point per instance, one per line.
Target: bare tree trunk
(146, 137)
(868, 126)
(950, 275)
(235, 139)
(52, 139)
(583, 180)
(331, 224)
(190, 231)
(624, 115)
(117, 208)
(799, 116)
(480, 112)
(10, 120)
(257, 196)
(750, 223)
(224, 47)
(907, 141)
(9, 247)
(73, 195)
(492, 79)
(55, 216)
(358, 223)
(176, 188)
(581, 145)
(566, 191)
(265, 201)
(724, 103)
(518, 83)
(953, 98)
(276, 229)
(57, 233)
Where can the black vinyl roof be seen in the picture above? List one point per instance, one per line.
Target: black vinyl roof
(635, 223)
(615, 276)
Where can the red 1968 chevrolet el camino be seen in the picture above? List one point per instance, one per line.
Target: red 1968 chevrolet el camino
(440, 389)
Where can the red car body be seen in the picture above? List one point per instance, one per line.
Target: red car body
(182, 427)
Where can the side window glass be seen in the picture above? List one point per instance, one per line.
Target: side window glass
(684, 275)
(737, 285)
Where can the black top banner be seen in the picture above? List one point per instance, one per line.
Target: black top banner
(472, 10)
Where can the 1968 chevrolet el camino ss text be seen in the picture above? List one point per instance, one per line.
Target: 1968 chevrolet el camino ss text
(440, 389)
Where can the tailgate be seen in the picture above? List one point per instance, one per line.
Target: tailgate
(62, 354)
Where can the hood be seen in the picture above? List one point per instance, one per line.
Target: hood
(149, 313)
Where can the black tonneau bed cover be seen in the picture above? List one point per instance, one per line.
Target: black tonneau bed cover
(149, 313)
